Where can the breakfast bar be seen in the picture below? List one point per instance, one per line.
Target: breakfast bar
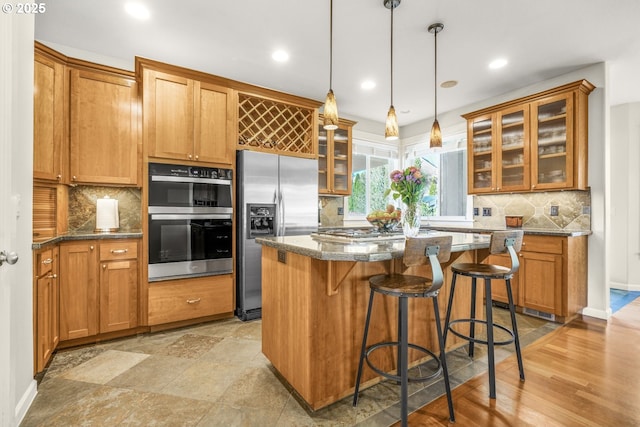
(314, 301)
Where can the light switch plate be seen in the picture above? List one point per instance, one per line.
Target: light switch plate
(476, 211)
(553, 211)
(486, 211)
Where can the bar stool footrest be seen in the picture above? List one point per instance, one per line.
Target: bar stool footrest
(387, 375)
(479, 340)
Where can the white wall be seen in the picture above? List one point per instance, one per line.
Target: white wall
(625, 197)
(599, 169)
(16, 145)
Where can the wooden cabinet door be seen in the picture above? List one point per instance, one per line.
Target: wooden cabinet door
(104, 139)
(213, 124)
(48, 118)
(78, 290)
(168, 104)
(44, 317)
(118, 295)
(498, 287)
(541, 284)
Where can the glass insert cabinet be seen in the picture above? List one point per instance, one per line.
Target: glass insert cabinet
(334, 159)
(534, 143)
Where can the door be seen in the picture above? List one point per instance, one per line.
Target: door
(298, 196)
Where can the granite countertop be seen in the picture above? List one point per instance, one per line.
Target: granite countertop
(365, 251)
(485, 230)
(39, 244)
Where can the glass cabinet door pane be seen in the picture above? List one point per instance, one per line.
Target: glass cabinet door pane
(512, 150)
(552, 142)
(340, 159)
(482, 136)
(322, 159)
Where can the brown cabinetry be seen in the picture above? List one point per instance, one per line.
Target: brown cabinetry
(334, 159)
(99, 287)
(46, 328)
(104, 128)
(178, 300)
(48, 117)
(552, 278)
(187, 119)
(534, 143)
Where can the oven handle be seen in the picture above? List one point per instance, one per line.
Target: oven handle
(161, 178)
(188, 216)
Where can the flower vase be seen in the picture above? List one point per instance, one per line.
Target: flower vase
(411, 220)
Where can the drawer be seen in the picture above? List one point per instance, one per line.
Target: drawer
(118, 249)
(44, 262)
(189, 299)
(544, 244)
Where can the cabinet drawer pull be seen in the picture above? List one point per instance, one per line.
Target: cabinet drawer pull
(47, 261)
(119, 251)
(52, 276)
(193, 301)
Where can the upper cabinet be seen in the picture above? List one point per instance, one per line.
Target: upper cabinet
(187, 119)
(534, 143)
(334, 159)
(48, 117)
(105, 145)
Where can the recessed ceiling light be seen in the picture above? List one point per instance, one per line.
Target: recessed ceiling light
(498, 63)
(280, 56)
(137, 10)
(405, 111)
(368, 85)
(448, 84)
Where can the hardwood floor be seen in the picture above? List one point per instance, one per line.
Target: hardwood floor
(586, 373)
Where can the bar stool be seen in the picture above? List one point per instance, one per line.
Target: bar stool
(501, 241)
(417, 251)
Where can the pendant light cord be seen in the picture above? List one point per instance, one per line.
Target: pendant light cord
(435, 73)
(392, 7)
(331, 45)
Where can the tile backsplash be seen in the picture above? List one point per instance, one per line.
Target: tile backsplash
(331, 211)
(573, 209)
(82, 207)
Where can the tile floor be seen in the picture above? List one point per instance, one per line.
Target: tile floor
(215, 375)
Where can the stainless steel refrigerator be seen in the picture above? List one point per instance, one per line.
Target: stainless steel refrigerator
(276, 196)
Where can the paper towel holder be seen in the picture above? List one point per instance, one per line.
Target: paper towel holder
(107, 218)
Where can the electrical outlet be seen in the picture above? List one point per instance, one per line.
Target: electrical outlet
(586, 210)
(476, 211)
(486, 211)
(553, 211)
(340, 210)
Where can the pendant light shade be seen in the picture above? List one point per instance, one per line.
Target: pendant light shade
(330, 113)
(391, 132)
(435, 139)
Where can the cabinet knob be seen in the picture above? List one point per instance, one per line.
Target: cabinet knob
(498, 188)
(91, 247)
(189, 156)
(104, 266)
(73, 177)
(533, 186)
(196, 157)
(59, 177)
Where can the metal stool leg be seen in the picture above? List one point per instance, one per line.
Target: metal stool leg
(449, 305)
(443, 359)
(364, 348)
(403, 362)
(472, 316)
(490, 355)
(514, 327)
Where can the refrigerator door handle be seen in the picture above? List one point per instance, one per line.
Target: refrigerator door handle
(282, 211)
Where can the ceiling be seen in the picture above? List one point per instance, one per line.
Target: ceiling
(541, 39)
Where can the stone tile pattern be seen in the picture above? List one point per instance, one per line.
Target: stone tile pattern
(535, 209)
(82, 207)
(329, 216)
(214, 374)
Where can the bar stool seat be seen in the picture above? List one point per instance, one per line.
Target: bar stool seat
(418, 251)
(501, 241)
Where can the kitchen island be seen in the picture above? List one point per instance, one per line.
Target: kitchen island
(314, 301)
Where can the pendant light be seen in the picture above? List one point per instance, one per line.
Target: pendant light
(330, 112)
(391, 132)
(435, 140)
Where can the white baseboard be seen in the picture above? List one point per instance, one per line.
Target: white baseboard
(25, 401)
(631, 287)
(597, 313)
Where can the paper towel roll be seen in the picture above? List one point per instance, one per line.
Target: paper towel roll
(107, 218)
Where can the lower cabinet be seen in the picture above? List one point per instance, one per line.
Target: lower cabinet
(46, 329)
(98, 287)
(552, 277)
(178, 300)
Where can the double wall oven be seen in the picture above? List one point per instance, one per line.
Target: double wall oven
(190, 221)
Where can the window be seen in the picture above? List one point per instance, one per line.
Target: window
(371, 166)
(446, 195)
